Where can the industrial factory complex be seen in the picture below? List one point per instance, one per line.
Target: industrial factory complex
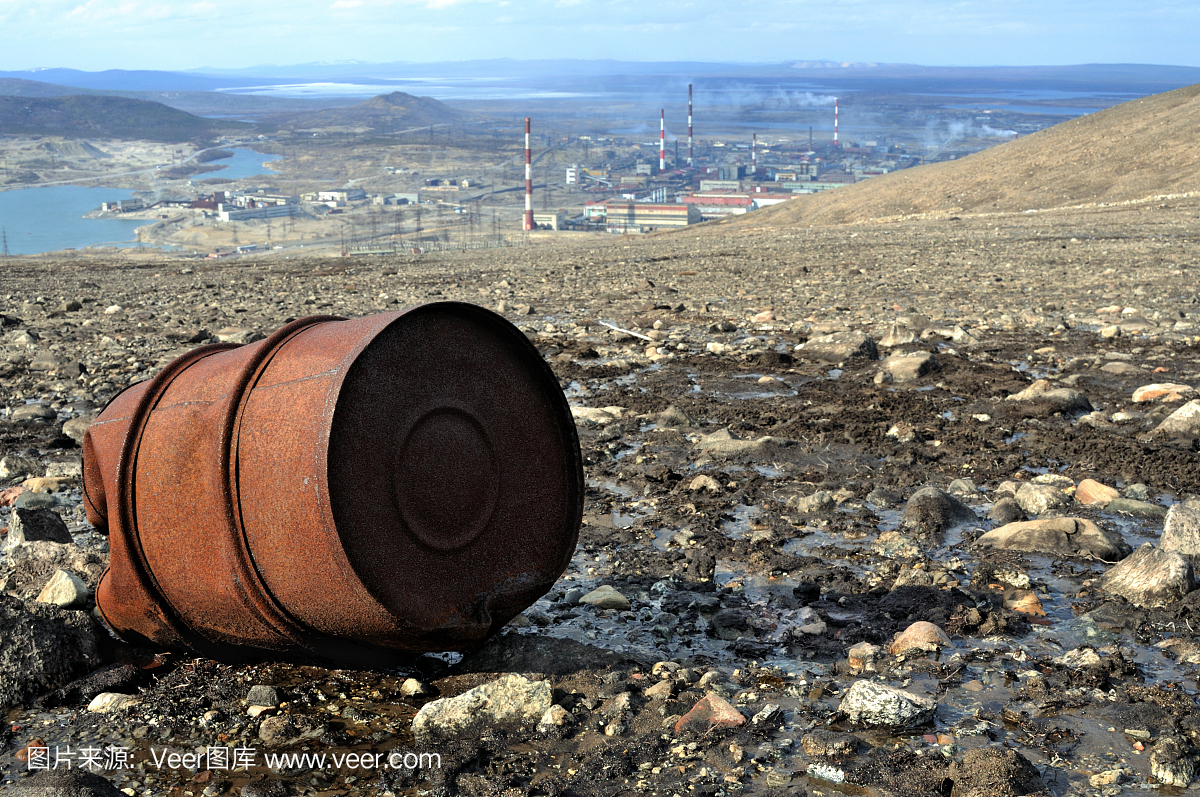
(634, 188)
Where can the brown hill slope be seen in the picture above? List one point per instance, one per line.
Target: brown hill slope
(1141, 148)
(386, 113)
(86, 116)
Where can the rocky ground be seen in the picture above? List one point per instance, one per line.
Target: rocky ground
(886, 509)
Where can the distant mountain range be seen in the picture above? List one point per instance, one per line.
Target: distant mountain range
(1151, 77)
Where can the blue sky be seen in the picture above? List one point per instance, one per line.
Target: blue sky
(164, 34)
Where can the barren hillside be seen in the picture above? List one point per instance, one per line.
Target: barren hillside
(383, 114)
(1142, 148)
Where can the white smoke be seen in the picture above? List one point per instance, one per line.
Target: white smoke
(941, 134)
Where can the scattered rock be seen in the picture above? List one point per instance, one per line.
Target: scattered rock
(283, 730)
(1024, 601)
(1161, 392)
(30, 525)
(911, 367)
(76, 427)
(829, 744)
(1037, 499)
(1092, 492)
(239, 335)
(840, 346)
(14, 465)
(112, 701)
(511, 700)
(662, 690)
(555, 717)
(596, 415)
(1181, 531)
(712, 711)
(65, 589)
(414, 688)
(726, 443)
(1173, 762)
(1006, 510)
(932, 510)
(1129, 506)
(606, 597)
(921, 635)
(33, 412)
(819, 502)
(895, 545)
(1109, 777)
(673, 417)
(1062, 399)
(262, 695)
(861, 657)
(898, 336)
(1150, 577)
(1183, 421)
(705, 482)
(874, 704)
(1061, 536)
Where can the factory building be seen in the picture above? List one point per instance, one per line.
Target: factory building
(342, 195)
(720, 185)
(645, 217)
(234, 213)
(550, 221)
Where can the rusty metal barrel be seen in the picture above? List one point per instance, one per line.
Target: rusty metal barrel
(344, 488)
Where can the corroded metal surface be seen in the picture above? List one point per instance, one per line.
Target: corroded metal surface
(404, 481)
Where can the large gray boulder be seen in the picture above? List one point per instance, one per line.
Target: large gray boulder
(29, 525)
(1150, 577)
(1181, 530)
(42, 647)
(1060, 399)
(1065, 536)
(932, 509)
(875, 704)
(1183, 421)
(839, 347)
(507, 702)
(1037, 499)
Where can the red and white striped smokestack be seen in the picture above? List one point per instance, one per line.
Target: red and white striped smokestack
(835, 121)
(691, 161)
(662, 140)
(528, 181)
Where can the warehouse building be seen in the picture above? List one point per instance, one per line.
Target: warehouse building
(645, 217)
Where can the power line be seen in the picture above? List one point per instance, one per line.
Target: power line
(4, 242)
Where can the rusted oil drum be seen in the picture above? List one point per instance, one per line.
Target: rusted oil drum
(405, 481)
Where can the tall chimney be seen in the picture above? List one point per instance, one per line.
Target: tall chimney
(528, 181)
(835, 121)
(691, 160)
(754, 154)
(662, 140)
